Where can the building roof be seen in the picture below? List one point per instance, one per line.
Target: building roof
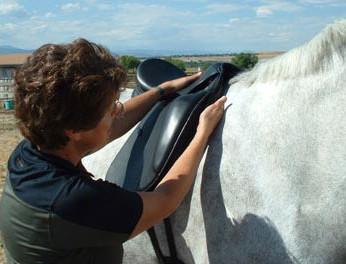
(13, 59)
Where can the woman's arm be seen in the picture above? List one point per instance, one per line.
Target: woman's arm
(137, 107)
(172, 189)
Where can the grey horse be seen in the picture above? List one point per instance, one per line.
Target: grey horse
(271, 187)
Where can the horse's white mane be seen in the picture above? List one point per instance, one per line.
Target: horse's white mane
(324, 52)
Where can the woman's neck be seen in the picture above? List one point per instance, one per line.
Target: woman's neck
(68, 152)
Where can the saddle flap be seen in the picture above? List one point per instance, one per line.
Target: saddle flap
(132, 163)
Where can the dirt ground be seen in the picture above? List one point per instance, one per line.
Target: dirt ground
(260, 55)
(9, 138)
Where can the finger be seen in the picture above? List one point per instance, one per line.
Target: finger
(194, 76)
(221, 101)
(218, 104)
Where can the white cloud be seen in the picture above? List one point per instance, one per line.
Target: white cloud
(264, 11)
(280, 36)
(323, 2)
(121, 34)
(34, 17)
(70, 7)
(8, 27)
(49, 15)
(134, 25)
(273, 6)
(233, 20)
(97, 5)
(39, 28)
(104, 7)
(222, 8)
(144, 16)
(164, 26)
(9, 7)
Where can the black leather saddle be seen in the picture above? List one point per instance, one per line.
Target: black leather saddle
(164, 133)
(167, 129)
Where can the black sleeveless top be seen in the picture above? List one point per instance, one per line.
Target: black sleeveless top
(54, 212)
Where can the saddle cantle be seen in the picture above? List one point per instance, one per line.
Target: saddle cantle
(164, 133)
(167, 129)
(153, 72)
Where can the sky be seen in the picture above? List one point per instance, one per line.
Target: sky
(176, 25)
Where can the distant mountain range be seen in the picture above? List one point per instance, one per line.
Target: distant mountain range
(145, 53)
(6, 49)
(157, 53)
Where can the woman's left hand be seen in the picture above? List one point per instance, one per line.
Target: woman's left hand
(177, 84)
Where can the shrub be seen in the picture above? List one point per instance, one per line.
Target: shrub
(245, 60)
(178, 63)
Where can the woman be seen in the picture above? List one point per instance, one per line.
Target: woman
(67, 107)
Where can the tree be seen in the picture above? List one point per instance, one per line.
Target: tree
(205, 64)
(245, 60)
(178, 63)
(129, 62)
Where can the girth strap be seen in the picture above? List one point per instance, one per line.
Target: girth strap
(173, 257)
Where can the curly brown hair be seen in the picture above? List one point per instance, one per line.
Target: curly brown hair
(63, 87)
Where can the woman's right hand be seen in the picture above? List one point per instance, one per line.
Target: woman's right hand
(210, 117)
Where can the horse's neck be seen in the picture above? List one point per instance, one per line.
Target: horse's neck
(292, 120)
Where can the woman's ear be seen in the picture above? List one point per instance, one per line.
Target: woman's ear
(73, 135)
